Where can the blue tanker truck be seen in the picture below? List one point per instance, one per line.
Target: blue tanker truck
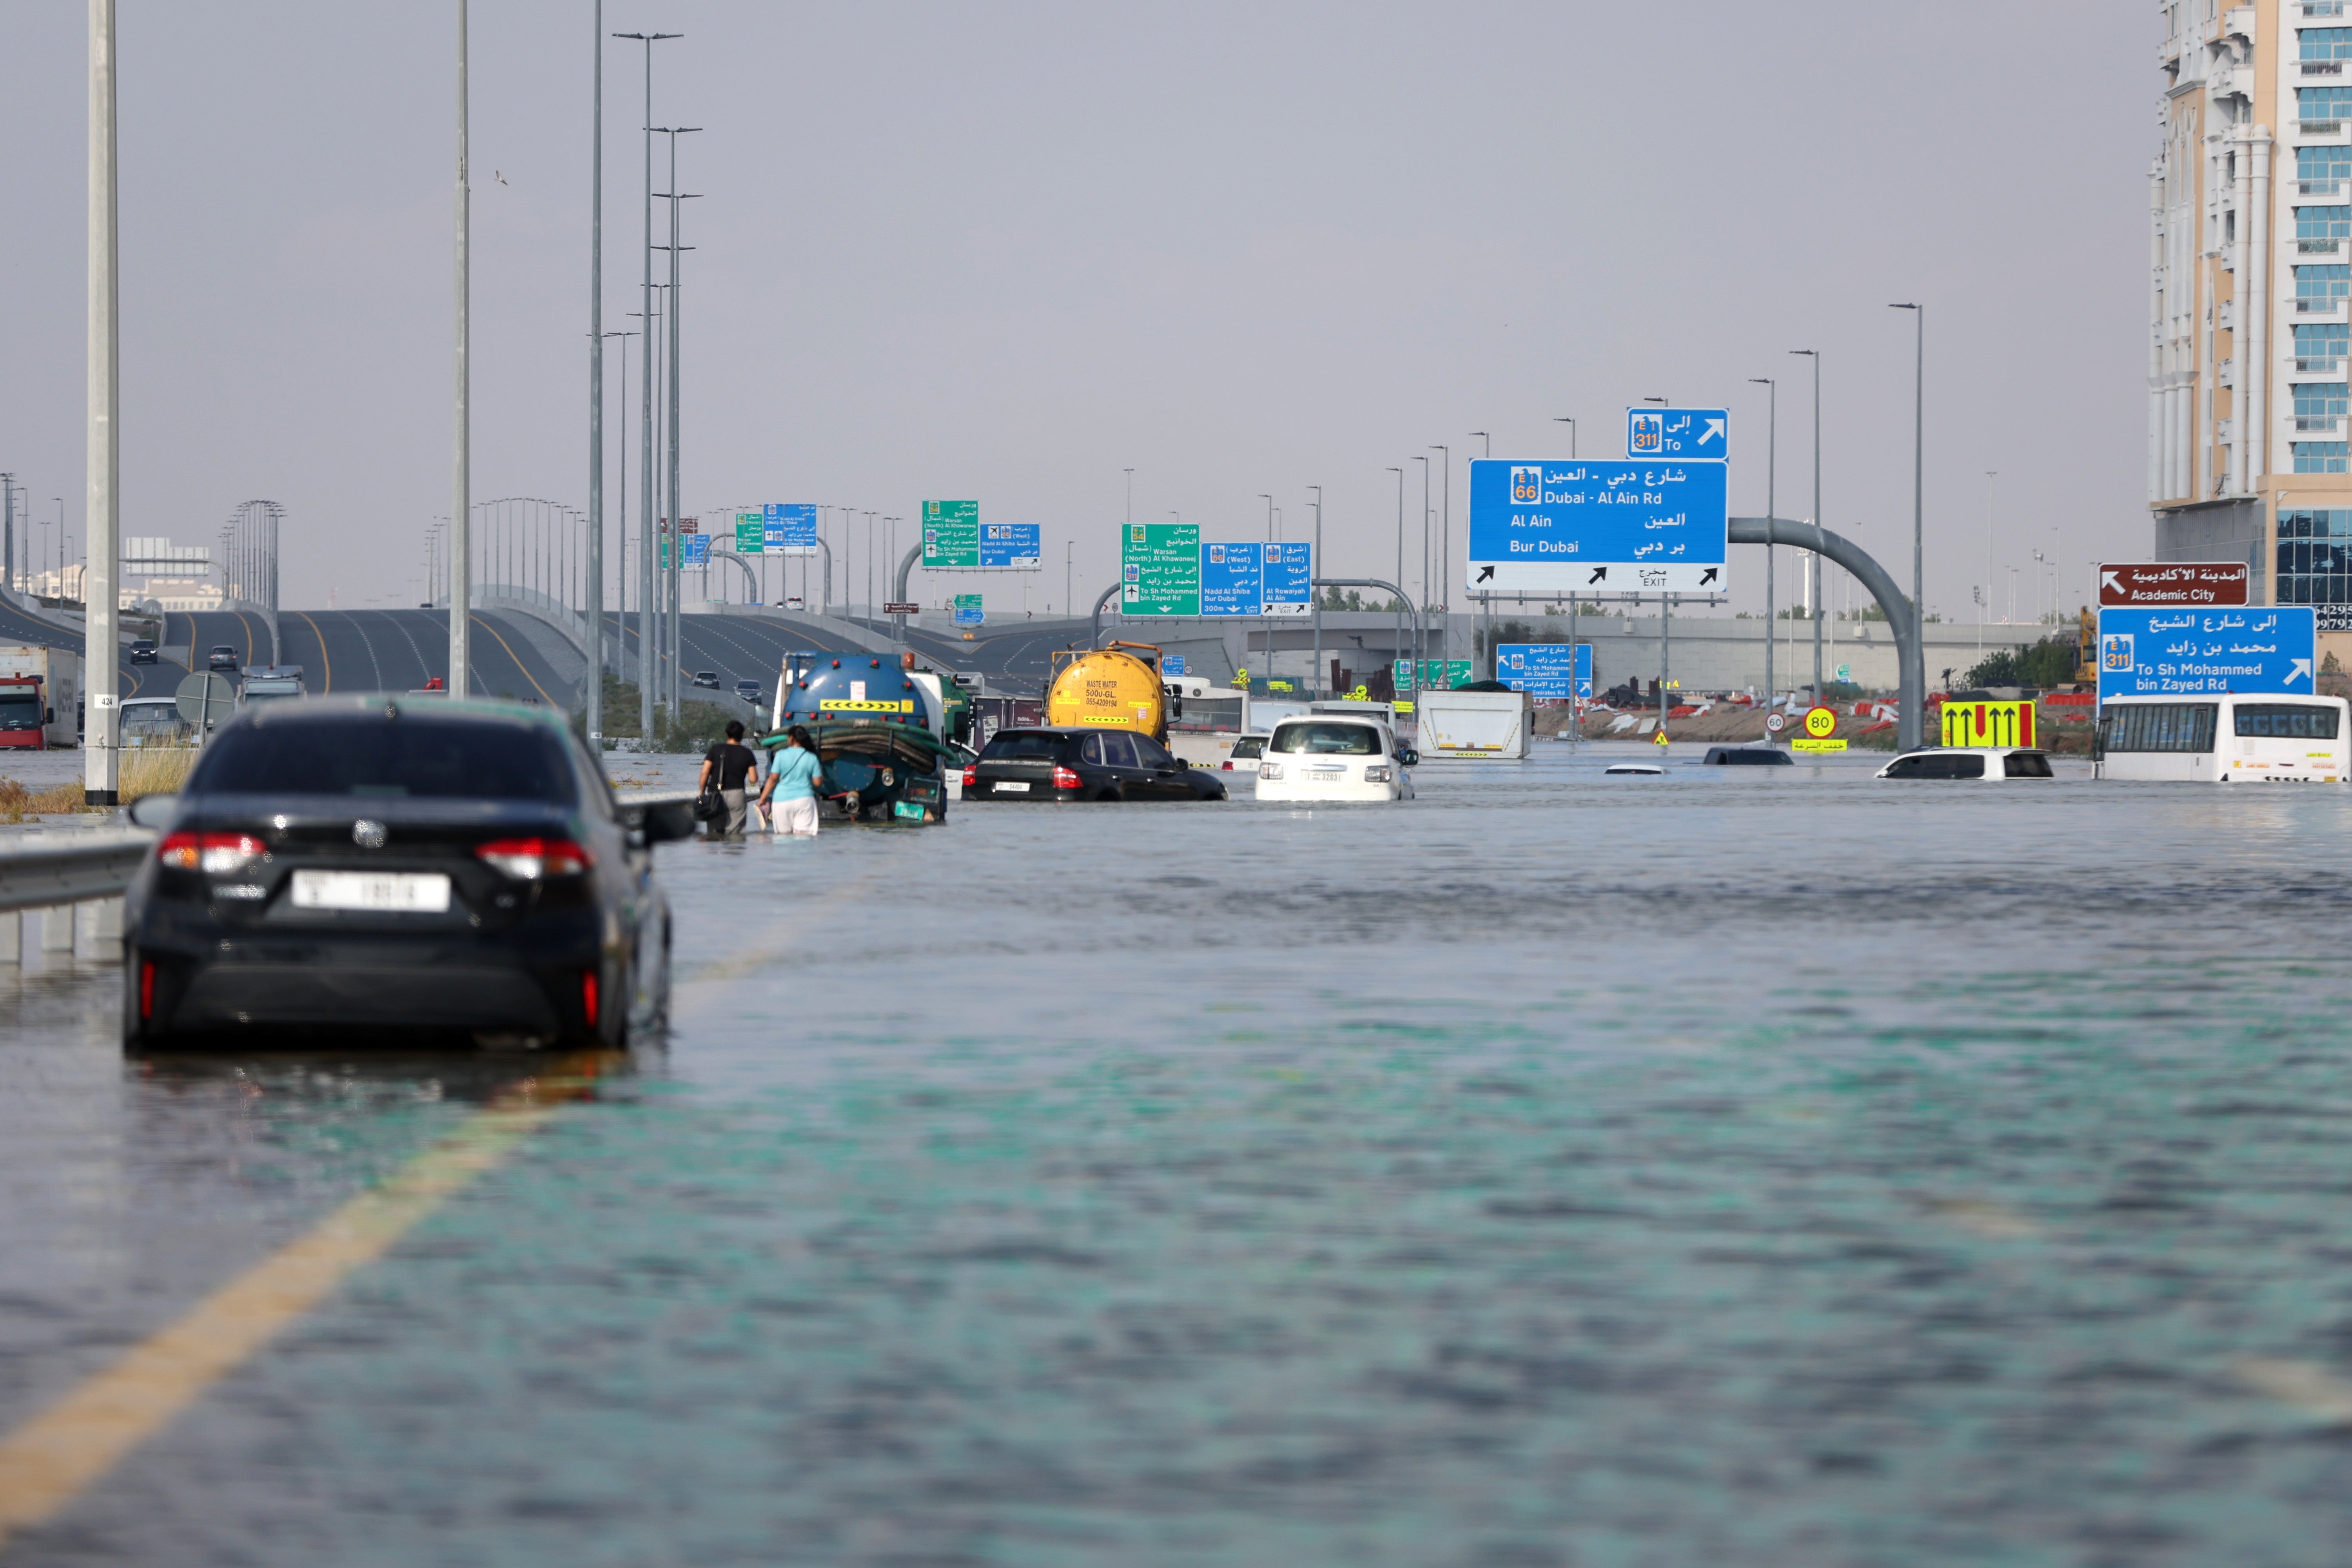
(873, 725)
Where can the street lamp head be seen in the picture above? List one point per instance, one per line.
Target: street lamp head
(1761, 380)
(1902, 306)
(1654, 400)
(1807, 353)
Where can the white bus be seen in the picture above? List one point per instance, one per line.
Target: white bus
(2224, 739)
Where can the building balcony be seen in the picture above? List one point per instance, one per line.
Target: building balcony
(2319, 187)
(2225, 315)
(2318, 423)
(2225, 432)
(2319, 366)
(2226, 372)
(2318, 307)
(2318, 246)
(2312, 8)
(2319, 129)
(2322, 68)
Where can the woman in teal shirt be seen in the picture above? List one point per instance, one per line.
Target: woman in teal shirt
(792, 784)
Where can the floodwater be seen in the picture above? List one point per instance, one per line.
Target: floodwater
(1739, 1167)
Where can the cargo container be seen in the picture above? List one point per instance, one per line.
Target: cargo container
(40, 698)
(1471, 725)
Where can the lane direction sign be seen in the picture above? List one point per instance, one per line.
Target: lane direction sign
(1677, 433)
(1544, 670)
(1159, 568)
(2136, 583)
(2199, 652)
(1011, 545)
(1597, 528)
(750, 533)
(951, 533)
(968, 610)
(1167, 569)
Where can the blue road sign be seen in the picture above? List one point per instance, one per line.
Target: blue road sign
(1597, 528)
(790, 529)
(698, 550)
(1677, 433)
(2148, 652)
(1011, 544)
(1233, 579)
(969, 610)
(1257, 579)
(1172, 665)
(1289, 572)
(1541, 670)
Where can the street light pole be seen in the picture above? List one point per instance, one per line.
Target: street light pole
(1820, 600)
(1315, 569)
(1445, 560)
(1913, 702)
(1398, 635)
(595, 595)
(101, 523)
(1486, 601)
(1771, 555)
(461, 478)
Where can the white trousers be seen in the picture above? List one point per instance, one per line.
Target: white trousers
(795, 818)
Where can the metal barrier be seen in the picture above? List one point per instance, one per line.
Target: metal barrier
(75, 877)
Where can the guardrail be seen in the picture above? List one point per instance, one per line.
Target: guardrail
(75, 877)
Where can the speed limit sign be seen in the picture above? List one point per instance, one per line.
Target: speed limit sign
(1777, 722)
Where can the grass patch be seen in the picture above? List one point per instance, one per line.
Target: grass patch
(145, 769)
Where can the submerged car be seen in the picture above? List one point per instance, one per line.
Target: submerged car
(1067, 763)
(1334, 756)
(1969, 763)
(1746, 756)
(378, 865)
(1245, 756)
(1633, 770)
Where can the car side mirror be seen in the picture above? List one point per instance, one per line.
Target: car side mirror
(668, 824)
(1408, 756)
(153, 810)
(48, 715)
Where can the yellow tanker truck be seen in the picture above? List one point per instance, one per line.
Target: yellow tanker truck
(1115, 687)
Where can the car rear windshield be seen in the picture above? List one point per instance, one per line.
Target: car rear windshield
(1016, 744)
(438, 759)
(2026, 766)
(1324, 739)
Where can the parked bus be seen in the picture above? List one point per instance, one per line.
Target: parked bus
(2224, 739)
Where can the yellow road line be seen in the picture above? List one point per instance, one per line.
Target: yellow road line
(60, 1454)
(519, 663)
(328, 665)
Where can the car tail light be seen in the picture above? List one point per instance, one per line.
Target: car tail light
(217, 852)
(588, 997)
(1269, 770)
(529, 859)
(1376, 775)
(971, 777)
(146, 990)
(1064, 778)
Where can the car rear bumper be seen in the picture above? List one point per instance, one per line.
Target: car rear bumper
(529, 979)
(987, 790)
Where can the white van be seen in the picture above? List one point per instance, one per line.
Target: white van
(2224, 739)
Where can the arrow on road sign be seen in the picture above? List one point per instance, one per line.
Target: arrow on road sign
(2299, 670)
(1598, 574)
(1708, 577)
(1485, 573)
(1714, 429)
(2107, 579)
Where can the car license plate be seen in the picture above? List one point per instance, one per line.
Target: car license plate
(911, 809)
(1009, 787)
(410, 892)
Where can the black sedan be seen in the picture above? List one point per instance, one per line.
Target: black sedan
(142, 651)
(398, 867)
(1084, 764)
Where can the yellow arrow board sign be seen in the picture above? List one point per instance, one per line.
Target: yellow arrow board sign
(1988, 723)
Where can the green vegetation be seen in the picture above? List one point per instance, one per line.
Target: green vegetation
(698, 726)
(2050, 662)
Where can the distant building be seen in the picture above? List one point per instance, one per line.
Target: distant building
(2251, 270)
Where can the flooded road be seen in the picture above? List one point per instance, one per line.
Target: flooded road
(1744, 1166)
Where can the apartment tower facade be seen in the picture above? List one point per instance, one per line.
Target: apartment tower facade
(2251, 279)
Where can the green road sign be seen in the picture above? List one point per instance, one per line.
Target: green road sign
(1159, 568)
(952, 534)
(1437, 674)
(750, 533)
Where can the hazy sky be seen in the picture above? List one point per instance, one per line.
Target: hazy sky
(1007, 252)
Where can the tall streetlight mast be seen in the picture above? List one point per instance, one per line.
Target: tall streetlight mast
(595, 594)
(1912, 695)
(1771, 555)
(1820, 601)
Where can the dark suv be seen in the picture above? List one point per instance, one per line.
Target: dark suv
(1084, 764)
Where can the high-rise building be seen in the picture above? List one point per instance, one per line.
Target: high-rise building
(2251, 269)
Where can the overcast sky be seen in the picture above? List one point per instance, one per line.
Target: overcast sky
(1005, 252)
